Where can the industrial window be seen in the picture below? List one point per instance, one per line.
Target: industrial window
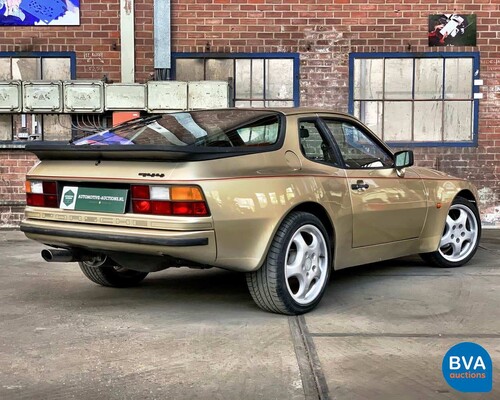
(32, 67)
(417, 99)
(257, 80)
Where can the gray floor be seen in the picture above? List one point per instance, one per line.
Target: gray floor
(380, 332)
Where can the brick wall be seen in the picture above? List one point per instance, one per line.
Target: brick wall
(323, 33)
(96, 41)
(13, 167)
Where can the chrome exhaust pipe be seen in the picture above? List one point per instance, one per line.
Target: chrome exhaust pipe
(51, 255)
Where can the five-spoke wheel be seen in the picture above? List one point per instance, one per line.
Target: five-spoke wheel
(306, 265)
(295, 273)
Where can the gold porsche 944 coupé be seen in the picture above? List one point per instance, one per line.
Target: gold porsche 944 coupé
(282, 195)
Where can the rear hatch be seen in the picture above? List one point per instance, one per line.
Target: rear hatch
(134, 167)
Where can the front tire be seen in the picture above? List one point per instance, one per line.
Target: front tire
(297, 267)
(460, 238)
(108, 273)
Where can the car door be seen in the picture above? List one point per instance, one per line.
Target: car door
(386, 207)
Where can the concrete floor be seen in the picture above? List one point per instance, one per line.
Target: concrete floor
(380, 332)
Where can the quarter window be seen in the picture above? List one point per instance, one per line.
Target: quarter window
(313, 145)
(410, 99)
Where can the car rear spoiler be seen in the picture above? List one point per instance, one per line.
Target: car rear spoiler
(64, 151)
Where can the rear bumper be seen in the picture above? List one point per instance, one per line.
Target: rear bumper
(198, 246)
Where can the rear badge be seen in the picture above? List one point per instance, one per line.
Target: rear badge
(151, 175)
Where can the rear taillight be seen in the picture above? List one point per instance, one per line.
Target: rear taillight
(42, 194)
(168, 200)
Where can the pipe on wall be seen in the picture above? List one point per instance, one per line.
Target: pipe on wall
(127, 40)
(162, 39)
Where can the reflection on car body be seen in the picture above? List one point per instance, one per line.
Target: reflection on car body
(283, 195)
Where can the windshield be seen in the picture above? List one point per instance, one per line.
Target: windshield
(209, 128)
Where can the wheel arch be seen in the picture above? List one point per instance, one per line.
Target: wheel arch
(468, 195)
(320, 212)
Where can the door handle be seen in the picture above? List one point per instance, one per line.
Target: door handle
(360, 185)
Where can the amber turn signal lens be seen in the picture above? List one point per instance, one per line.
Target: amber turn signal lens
(186, 193)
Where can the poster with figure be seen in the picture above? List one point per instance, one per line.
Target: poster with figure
(452, 30)
(39, 12)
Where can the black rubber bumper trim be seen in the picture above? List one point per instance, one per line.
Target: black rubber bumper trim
(154, 241)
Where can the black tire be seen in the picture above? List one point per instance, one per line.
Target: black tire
(112, 275)
(456, 231)
(271, 289)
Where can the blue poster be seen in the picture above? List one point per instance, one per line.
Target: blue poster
(39, 12)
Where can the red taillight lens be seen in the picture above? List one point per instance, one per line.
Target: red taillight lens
(51, 201)
(200, 208)
(182, 208)
(42, 194)
(162, 207)
(141, 206)
(168, 200)
(35, 199)
(49, 187)
(140, 192)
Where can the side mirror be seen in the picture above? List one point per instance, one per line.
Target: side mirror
(403, 159)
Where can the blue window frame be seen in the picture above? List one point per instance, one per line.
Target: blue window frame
(417, 99)
(257, 79)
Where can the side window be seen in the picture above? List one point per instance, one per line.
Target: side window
(312, 144)
(357, 148)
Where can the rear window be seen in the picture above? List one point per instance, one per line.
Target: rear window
(210, 128)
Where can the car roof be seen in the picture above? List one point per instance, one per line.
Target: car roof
(287, 110)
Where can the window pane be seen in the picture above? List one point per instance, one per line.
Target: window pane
(370, 113)
(428, 78)
(458, 120)
(219, 69)
(242, 79)
(398, 78)
(242, 104)
(397, 120)
(368, 79)
(187, 69)
(458, 78)
(5, 127)
(279, 79)
(5, 69)
(249, 79)
(26, 68)
(282, 103)
(56, 68)
(258, 79)
(428, 121)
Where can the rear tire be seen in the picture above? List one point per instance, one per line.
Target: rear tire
(460, 238)
(108, 273)
(294, 276)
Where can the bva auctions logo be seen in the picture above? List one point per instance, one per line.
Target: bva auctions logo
(467, 367)
(69, 197)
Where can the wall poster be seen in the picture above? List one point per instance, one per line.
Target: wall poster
(452, 30)
(39, 12)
